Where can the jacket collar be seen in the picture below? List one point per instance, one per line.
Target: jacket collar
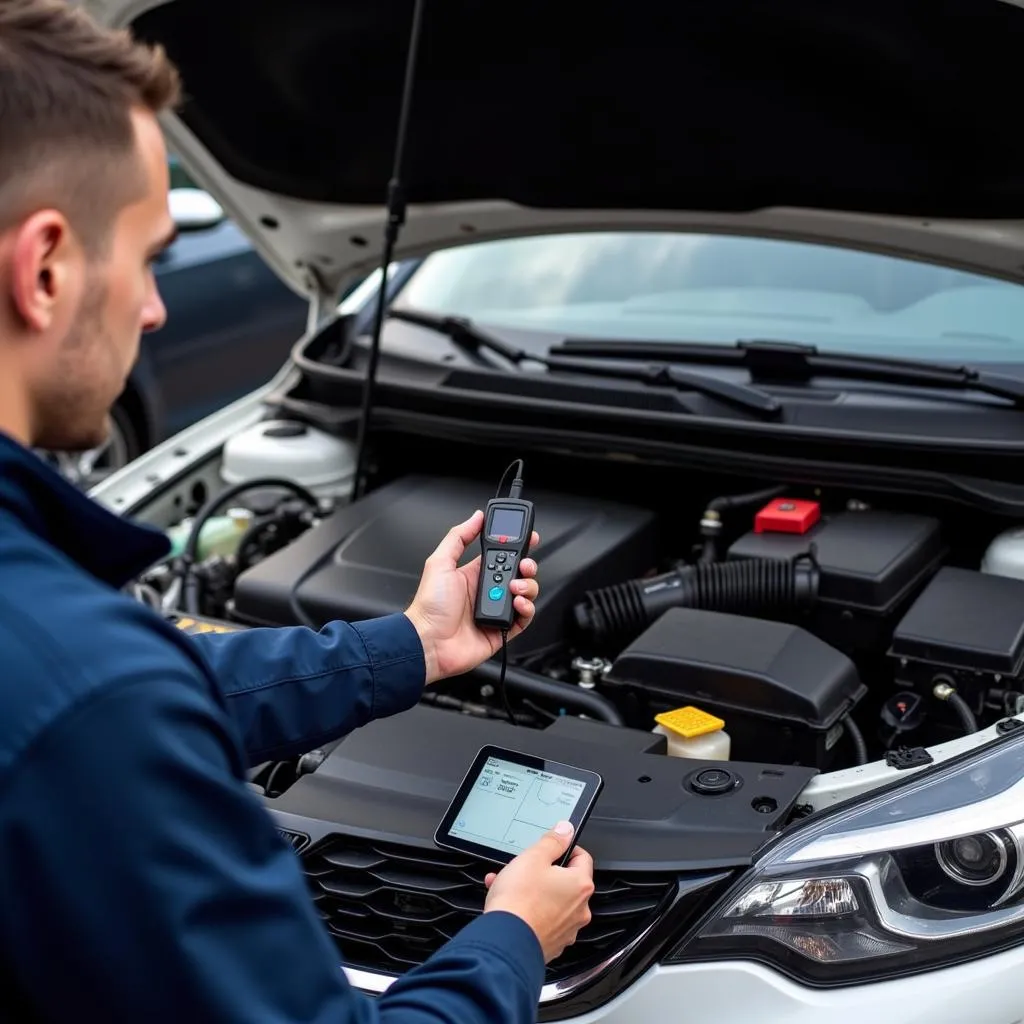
(103, 544)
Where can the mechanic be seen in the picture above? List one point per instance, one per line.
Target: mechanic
(141, 879)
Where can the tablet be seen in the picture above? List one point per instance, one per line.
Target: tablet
(508, 800)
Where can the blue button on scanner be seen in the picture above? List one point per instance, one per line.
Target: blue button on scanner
(496, 593)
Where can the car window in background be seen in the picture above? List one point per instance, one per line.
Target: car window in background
(654, 286)
(179, 176)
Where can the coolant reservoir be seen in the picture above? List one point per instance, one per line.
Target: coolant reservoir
(324, 464)
(1005, 555)
(694, 733)
(220, 535)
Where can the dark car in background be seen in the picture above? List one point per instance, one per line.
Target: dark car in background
(230, 323)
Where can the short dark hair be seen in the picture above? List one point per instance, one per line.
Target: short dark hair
(67, 90)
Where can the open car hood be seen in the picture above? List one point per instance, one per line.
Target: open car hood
(886, 124)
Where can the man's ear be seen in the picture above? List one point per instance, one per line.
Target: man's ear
(43, 263)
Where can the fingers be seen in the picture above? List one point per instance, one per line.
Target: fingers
(457, 539)
(525, 591)
(525, 611)
(525, 588)
(580, 860)
(552, 845)
(489, 879)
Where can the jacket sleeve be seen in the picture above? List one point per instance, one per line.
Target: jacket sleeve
(143, 881)
(291, 689)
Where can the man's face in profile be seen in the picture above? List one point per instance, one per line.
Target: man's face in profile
(109, 300)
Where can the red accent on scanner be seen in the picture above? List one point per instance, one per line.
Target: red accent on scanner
(787, 515)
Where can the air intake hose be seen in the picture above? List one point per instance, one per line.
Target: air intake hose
(744, 587)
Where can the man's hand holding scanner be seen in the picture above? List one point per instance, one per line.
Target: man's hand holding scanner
(442, 610)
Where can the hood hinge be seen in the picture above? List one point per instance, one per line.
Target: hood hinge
(323, 300)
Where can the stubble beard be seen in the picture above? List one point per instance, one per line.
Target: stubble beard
(72, 407)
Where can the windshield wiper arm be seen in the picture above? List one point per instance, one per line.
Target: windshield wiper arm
(473, 340)
(662, 374)
(465, 334)
(795, 362)
(772, 360)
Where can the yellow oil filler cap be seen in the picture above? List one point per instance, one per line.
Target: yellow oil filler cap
(694, 733)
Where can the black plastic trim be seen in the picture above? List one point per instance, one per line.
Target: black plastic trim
(818, 456)
(970, 491)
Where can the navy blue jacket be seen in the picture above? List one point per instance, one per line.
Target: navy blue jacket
(140, 879)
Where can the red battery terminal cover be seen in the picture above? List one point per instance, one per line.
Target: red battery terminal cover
(787, 515)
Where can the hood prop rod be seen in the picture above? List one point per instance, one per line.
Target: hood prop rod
(396, 206)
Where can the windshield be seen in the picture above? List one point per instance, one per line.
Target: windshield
(652, 286)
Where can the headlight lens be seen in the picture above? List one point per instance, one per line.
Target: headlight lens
(926, 874)
(980, 860)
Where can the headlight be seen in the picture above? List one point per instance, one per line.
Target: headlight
(924, 874)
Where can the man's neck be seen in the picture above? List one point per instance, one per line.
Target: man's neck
(15, 421)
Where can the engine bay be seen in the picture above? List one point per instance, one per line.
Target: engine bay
(777, 624)
(718, 648)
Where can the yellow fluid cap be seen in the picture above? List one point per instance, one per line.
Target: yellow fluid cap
(689, 722)
(240, 517)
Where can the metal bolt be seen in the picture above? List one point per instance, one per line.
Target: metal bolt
(590, 670)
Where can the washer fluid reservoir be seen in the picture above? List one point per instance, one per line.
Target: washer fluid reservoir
(694, 733)
(321, 462)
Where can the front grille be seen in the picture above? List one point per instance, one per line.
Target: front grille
(389, 907)
(295, 839)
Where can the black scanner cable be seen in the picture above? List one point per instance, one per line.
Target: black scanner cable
(514, 490)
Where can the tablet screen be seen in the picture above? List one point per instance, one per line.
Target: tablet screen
(510, 806)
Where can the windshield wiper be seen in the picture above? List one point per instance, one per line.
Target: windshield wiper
(473, 340)
(779, 362)
(784, 362)
(663, 374)
(467, 336)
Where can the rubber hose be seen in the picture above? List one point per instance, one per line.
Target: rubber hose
(190, 592)
(860, 748)
(963, 712)
(711, 522)
(944, 689)
(730, 501)
(261, 483)
(743, 587)
(191, 584)
(563, 694)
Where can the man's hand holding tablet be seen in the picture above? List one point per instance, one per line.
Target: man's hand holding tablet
(525, 812)
(552, 900)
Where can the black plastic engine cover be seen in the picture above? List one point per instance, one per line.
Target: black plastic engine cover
(366, 558)
(964, 621)
(780, 690)
(393, 779)
(872, 564)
